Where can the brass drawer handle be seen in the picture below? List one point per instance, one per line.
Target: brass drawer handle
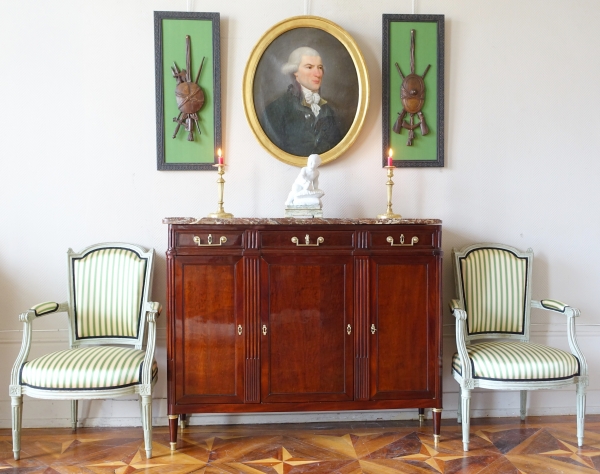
(349, 329)
(264, 329)
(307, 243)
(373, 329)
(239, 329)
(222, 240)
(413, 241)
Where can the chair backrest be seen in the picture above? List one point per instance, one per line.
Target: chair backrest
(109, 285)
(493, 284)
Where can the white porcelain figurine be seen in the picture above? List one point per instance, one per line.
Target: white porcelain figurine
(305, 191)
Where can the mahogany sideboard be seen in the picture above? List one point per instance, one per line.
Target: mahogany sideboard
(288, 315)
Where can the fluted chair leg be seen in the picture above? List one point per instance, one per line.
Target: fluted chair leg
(147, 423)
(459, 410)
(17, 416)
(466, 423)
(580, 413)
(523, 404)
(74, 408)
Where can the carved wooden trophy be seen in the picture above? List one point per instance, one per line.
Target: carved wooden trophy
(412, 95)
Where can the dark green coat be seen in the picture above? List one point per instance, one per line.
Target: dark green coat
(291, 125)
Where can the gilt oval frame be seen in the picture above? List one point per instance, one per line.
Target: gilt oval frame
(362, 86)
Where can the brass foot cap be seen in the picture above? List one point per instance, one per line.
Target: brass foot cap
(173, 446)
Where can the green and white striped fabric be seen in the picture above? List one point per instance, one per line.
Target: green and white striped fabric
(45, 308)
(494, 283)
(86, 368)
(109, 286)
(518, 361)
(554, 305)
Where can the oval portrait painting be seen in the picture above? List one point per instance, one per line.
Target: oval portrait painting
(306, 90)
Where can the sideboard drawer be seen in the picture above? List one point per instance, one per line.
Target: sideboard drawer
(391, 239)
(307, 238)
(214, 237)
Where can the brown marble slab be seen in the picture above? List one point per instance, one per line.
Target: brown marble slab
(294, 220)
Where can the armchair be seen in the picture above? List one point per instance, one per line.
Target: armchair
(108, 309)
(493, 285)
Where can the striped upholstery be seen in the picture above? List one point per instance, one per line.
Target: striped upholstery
(518, 361)
(45, 308)
(494, 284)
(94, 367)
(108, 286)
(554, 305)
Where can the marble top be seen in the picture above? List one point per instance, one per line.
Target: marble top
(295, 220)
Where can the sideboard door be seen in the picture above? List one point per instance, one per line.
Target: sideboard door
(307, 332)
(209, 349)
(404, 327)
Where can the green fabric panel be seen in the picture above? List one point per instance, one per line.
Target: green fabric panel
(494, 283)
(179, 149)
(518, 361)
(86, 368)
(109, 286)
(424, 148)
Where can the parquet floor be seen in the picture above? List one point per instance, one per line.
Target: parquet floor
(501, 445)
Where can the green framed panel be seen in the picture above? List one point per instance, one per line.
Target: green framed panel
(175, 151)
(413, 45)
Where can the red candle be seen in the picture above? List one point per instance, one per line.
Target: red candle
(220, 157)
(390, 159)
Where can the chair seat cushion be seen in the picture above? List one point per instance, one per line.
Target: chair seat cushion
(87, 368)
(518, 361)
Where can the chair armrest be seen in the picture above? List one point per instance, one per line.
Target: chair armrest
(461, 331)
(153, 308)
(42, 309)
(571, 313)
(556, 307)
(457, 310)
(27, 317)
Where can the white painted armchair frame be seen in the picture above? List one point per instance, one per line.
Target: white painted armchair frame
(463, 339)
(150, 311)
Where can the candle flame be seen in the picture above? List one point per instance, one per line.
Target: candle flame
(391, 152)
(219, 153)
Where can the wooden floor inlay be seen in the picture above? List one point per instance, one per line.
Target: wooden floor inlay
(539, 445)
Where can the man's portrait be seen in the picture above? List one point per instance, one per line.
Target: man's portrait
(306, 91)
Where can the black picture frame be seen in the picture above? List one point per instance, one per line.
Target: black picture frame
(426, 150)
(170, 29)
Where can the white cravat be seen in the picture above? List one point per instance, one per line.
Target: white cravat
(312, 99)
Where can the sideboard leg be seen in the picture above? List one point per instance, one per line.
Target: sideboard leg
(182, 421)
(173, 431)
(437, 418)
(421, 416)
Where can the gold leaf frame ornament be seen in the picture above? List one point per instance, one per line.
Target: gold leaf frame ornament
(346, 80)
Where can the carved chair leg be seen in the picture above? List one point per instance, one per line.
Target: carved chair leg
(17, 416)
(580, 412)
(74, 409)
(523, 404)
(147, 423)
(466, 406)
(459, 410)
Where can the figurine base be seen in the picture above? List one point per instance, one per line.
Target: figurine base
(303, 211)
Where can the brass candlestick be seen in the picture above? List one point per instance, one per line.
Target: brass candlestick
(389, 213)
(220, 214)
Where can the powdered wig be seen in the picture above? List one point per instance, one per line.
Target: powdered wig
(296, 58)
